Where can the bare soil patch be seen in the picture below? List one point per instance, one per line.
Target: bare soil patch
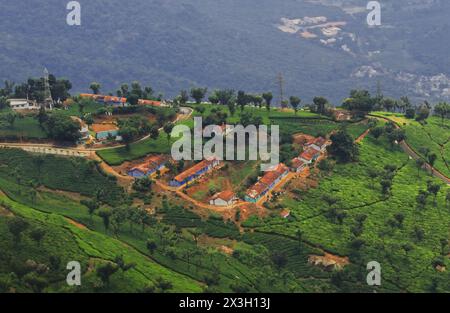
(329, 261)
(224, 245)
(76, 224)
(5, 212)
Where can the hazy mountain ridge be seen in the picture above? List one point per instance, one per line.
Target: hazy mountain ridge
(178, 44)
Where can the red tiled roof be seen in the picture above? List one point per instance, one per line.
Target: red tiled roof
(150, 163)
(226, 195)
(296, 163)
(269, 177)
(320, 141)
(267, 180)
(309, 154)
(149, 102)
(194, 169)
(87, 95)
(256, 190)
(115, 99)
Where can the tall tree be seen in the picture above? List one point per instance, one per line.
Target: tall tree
(343, 148)
(359, 102)
(184, 97)
(213, 98)
(242, 99)
(224, 95)
(295, 102)
(432, 157)
(104, 272)
(268, 97)
(95, 87)
(443, 110)
(198, 94)
(258, 101)
(16, 227)
(128, 134)
(124, 88)
(105, 214)
(433, 189)
(320, 104)
(396, 136)
(136, 89)
(168, 130)
(37, 234)
(419, 163)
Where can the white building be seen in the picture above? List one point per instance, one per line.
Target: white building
(224, 198)
(23, 104)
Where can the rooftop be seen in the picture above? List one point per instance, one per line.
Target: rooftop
(194, 169)
(309, 154)
(226, 195)
(150, 163)
(267, 180)
(149, 102)
(320, 141)
(296, 163)
(256, 190)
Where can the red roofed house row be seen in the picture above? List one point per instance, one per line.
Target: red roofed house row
(194, 172)
(266, 183)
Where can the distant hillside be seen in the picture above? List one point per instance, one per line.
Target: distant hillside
(175, 44)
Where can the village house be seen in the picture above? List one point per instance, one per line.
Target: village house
(319, 144)
(84, 132)
(108, 100)
(151, 103)
(224, 198)
(310, 155)
(84, 129)
(298, 165)
(266, 183)
(149, 167)
(112, 101)
(105, 131)
(23, 104)
(194, 172)
(342, 115)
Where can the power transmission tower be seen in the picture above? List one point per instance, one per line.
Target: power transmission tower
(48, 100)
(281, 88)
(379, 90)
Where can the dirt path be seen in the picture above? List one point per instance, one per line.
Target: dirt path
(76, 224)
(362, 136)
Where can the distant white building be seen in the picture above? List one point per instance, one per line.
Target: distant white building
(23, 104)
